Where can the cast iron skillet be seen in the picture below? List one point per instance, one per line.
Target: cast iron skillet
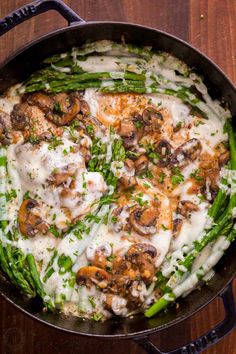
(22, 64)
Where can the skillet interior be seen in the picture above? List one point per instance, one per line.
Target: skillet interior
(26, 61)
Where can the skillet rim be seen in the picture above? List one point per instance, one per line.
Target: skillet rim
(190, 313)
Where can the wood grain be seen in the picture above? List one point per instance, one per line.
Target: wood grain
(210, 26)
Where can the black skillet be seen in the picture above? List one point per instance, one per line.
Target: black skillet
(20, 65)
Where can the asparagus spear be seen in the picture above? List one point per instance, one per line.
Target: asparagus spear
(101, 47)
(37, 282)
(220, 200)
(20, 280)
(224, 225)
(47, 75)
(194, 278)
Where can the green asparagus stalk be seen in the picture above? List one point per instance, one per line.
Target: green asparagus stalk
(5, 266)
(37, 282)
(223, 226)
(63, 78)
(193, 278)
(20, 280)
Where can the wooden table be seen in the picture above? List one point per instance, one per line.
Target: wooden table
(209, 25)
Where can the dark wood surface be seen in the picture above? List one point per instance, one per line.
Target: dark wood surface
(209, 25)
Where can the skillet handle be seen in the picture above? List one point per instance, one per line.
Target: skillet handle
(35, 8)
(206, 340)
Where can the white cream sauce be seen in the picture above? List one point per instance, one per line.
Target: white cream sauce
(30, 168)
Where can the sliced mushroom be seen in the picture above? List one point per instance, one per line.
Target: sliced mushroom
(30, 223)
(43, 101)
(185, 208)
(70, 198)
(66, 108)
(61, 176)
(146, 267)
(143, 221)
(164, 150)
(119, 218)
(177, 225)
(128, 181)
(128, 132)
(224, 158)
(129, 165)
(92, 275)
(98, 256)
(5, 127)
(140, 248)
(84, 107)
(141, 164)
(152, 117)
(190, 150)
(85, 153)
(19, 119)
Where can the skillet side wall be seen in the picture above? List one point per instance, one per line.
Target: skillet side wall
(26, 61)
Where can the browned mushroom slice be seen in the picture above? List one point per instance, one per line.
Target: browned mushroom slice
(152, 117)
(84, 107)
(164, 150)
(128, 181)
(185, 208)
(119, 218)
(100, 256)
(128, 132)
(190, 150)
(224, 158)
(19, 118)
(129, 165)
(5, 127)
(143, 221)
(177, 225)
(30, 223)
(66, 107)
(139, 248)
(70, 198)
(43, 101)
(92, 275)
(61, 176)
(146, 267)
(141, 164)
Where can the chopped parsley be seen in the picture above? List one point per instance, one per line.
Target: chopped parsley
(26, 195)
(164, 227)
(199, 122)
(107, 199)
(178, 126)
(111, 258)
(138, 124)
(161, 178)
(92, 302)
(177, 176)
(195, 174)
(132, 154)
(80, 228)
(97, 316)
(114, 219)
(54, 230)
(147, 174)
(89, 129)
(54, 143)
(146, 185)
(139, 200)
(11, 195)
(57, 108)
(90, 217)
(33, 140)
